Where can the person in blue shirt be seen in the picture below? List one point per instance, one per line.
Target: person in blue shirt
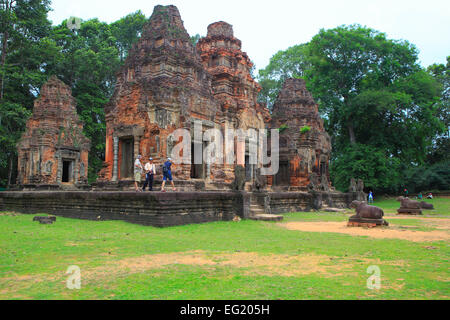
(371, 197)
(167, 174)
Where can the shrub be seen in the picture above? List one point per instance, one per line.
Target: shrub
(283, 128)
(305, 129)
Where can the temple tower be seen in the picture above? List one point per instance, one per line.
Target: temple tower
(53, 151)
(233, 86)
(162, 87)
(305, 147)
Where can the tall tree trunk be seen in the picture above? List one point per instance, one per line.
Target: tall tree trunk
(351, 133)
(10, 170)
(4, 50)
(3, 62)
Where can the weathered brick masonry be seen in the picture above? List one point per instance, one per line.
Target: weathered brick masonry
(165, 209)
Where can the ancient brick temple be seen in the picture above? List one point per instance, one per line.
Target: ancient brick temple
(53, 149)
(305, 147)
(233, 86)
(166, 85)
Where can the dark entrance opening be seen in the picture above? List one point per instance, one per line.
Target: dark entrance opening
(282, 178)
(126, 163)
(67, 171)
(197, 170)
(323, 169)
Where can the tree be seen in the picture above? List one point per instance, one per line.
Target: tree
(374, 92)
(441, 145)
(371, 91)
(88, 61)
(374, 166)
(24, 29)
(194, 39)
(13, 119)
(127, 31)
(283, 65)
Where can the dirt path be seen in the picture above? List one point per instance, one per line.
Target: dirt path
(393, 232)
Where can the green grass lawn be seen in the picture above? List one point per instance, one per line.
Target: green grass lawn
(225, 260)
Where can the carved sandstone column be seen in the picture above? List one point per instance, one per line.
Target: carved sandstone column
(137, 143)
(115, 172)
(60, 167)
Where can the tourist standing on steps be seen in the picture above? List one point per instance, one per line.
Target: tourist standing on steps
(138, 169)
(167, 174)
(150, 171)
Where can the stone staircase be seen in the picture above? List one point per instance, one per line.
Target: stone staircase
(258, 213)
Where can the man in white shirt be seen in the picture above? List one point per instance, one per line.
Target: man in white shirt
(138, 168)
(150, 171)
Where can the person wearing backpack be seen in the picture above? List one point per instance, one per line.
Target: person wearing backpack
(167, 174)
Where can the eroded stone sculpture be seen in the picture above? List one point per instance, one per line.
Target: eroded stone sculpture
(367, 216)
(409, 207)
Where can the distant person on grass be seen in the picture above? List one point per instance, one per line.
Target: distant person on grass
(430, 196)
(420, 196)
(167, 174)
(138, 169)
(406, 193)
(371, 197)
(150, 171)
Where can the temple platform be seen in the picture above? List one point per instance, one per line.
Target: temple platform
(165, 209)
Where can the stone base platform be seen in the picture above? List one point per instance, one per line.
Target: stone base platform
(410, 212)
(367, 223)
(267, 217)
(167, 209)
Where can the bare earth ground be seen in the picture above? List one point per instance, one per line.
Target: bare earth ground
(391, 232)
(248, 263)
(330, 266)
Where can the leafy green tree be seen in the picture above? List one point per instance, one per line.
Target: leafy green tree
(88, 61)
(194, 39)
(127, 31)
(13, 119)
(25, 50)
(371, 91)
(290, 63)
(378, 170)
(441, 146)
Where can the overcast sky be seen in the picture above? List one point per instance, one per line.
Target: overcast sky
(267, 26)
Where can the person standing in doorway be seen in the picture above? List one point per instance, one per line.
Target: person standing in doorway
(138, 169)
(150, 171)
(167, 174)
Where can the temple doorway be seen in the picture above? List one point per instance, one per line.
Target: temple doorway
(127, 161)
(67, 176)
(282, 178)
(197, 170)
(250, 169)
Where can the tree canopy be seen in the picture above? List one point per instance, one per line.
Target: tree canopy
(383, 110)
